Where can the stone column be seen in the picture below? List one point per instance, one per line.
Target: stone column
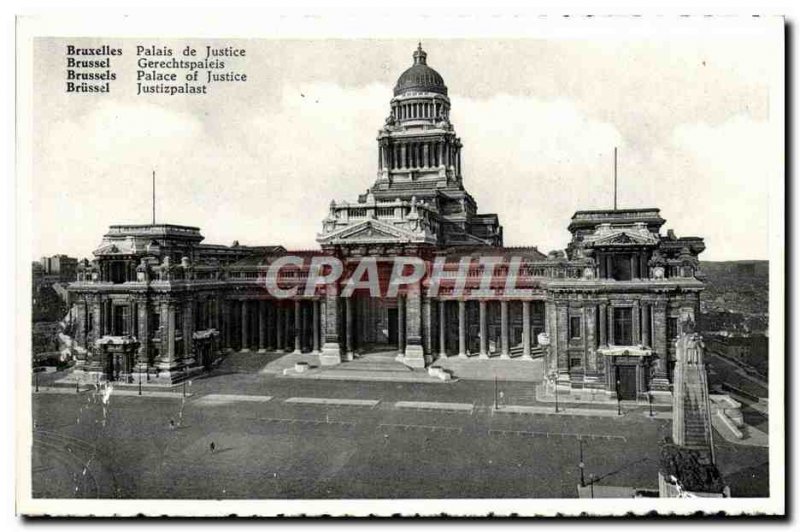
(401, 326)
(644, 272)
(414, 353)
(245, 327)
(268, 325)
(634, 273)
(349, 319)
(144, 336)
(636, 334)
(298, 327)
(442, 329)
(170, 336)
(315, 324)
(660, 381)
(646, 325)
(610, 324)
(462, 328)
(526, 328)
(403, 156)
(425, 155)
(262, 331)
(226, 324)
(590, 340)
(602, 314)
(279, 332)
(562, 331)
(188, 332)
(427, 329)
(287, 324)
(484, 330)
(504, 351)
(331, 350)
(97, 321)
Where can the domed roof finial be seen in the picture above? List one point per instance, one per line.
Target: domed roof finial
(420, 55)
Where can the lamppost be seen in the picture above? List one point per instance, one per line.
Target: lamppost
(553, 377)
(591, 484)
(650, 401)
(580, 463)
(140, 382)
(495, 392)
(619, 400)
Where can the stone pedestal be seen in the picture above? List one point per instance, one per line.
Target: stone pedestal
(414, 356)
(330, 354)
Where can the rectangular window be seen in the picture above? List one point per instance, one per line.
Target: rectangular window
(621, 268)
(575, 327)
(672, 328)
(623, 326)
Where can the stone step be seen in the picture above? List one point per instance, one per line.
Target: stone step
(389, 376)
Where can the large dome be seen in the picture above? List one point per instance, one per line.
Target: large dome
(420, 77)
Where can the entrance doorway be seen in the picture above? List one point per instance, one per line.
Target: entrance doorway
(626, 375)
(392, 318)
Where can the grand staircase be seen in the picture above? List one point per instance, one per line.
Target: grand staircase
(376, 364)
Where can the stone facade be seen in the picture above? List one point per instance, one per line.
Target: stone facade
(602, 314)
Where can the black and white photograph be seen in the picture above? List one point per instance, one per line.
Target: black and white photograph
(335, 268)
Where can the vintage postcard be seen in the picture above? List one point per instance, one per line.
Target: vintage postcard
(400, 265)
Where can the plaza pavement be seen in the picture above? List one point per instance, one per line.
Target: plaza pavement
(324, 439)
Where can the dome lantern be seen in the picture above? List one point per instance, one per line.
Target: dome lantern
(420, 77)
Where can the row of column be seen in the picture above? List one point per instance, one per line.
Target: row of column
(409, 155)
(642, 318)
(275, 324)
(483, 326)
(417, 110)
(648, 328)
(638, 265)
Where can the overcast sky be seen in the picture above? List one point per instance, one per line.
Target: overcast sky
(260, 161)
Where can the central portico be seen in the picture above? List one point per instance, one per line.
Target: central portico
(416, 207)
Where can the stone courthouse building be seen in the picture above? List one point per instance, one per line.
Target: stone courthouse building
(601, 314)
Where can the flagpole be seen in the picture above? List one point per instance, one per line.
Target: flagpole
(615, 178)
(154, 197)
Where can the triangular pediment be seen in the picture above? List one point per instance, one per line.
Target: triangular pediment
(118, 248)
(622, 236)
(370, 231)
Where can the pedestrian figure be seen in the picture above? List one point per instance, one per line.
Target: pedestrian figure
(172, 423)
(212, 447)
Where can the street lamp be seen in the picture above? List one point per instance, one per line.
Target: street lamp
(619, 400)
(580, 463)
(650, 401)
(591, 484)
(554, 380)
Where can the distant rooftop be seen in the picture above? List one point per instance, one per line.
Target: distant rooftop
(156, 230)
(587, 219)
